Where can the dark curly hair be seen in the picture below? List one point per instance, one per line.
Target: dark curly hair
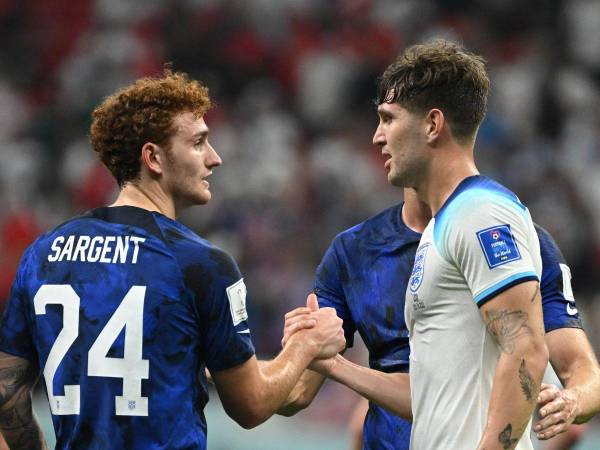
(439, 74)
(139, 113)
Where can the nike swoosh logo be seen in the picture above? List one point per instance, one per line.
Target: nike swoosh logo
(248, 331)
(571, 310)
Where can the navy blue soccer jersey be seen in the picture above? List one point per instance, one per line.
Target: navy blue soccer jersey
(558, 301)
(122, 309)
(364, 275)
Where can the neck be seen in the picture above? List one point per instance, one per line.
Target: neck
(415, 214)
(146, 197)
(449, 167)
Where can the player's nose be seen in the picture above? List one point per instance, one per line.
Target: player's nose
(214, 160)
(379, 137)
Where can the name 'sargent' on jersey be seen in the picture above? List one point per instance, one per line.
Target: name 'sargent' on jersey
(103, 249)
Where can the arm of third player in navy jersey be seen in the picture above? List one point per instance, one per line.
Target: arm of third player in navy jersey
(577, 368)
(17, 420)
(571, 354)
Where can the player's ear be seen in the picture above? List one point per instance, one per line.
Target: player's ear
(434, 124)
(152, 158)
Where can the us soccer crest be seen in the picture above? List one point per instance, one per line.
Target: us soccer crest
(416, 277)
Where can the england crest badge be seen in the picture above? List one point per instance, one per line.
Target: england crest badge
(418, 271)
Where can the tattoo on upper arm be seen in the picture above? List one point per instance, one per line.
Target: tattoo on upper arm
(505, 437)
(527, 385)
(507, 327)
(537, 289)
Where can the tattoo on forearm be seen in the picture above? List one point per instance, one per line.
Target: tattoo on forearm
(17, 422)
(505, 437)
(507, 327)
(527, 385)
(11, 380)
(28, 438)
(19, 427)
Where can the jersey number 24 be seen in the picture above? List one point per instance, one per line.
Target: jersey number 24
(131, 368)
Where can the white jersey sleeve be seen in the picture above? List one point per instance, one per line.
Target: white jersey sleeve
(491, 239)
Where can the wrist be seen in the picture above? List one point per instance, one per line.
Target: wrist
(572, 396)
(329, 367)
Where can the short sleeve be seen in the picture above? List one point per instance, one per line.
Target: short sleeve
(558, 301)
(329, 290)
(491, 239)
(222, 309)
(15, 333)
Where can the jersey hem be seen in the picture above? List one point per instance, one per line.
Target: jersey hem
(503, 287)
(576, 324)
(231, 364)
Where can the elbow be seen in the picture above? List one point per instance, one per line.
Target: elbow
(294, 406)
(248, 415)
(542, 352)
(537, 356)
(250, 421)
(247, 419)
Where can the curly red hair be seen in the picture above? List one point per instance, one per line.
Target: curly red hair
(140, 113)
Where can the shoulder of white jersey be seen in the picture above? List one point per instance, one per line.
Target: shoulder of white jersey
(474, 197)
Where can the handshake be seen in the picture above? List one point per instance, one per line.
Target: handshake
(318, 329)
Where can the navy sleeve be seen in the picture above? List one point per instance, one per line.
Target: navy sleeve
(15, 333)
(558, 302)
(330, 291)
(222, 309)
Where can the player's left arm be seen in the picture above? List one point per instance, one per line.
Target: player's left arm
(575, 363)
(514, 319)
(18, 423)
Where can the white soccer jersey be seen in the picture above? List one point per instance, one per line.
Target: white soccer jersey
(479, 244)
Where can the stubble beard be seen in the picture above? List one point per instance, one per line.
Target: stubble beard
(408, 177)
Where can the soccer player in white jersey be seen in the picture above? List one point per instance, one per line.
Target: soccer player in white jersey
(473, 306)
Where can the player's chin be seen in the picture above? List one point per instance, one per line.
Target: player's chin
(205, 197)
(202, 197)
(395, 179)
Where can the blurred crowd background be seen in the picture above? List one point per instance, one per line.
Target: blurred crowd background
(293, 81)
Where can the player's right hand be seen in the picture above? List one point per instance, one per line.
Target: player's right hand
(558, 409)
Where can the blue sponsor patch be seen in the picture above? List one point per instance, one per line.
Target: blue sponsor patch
(498, 245)
(418, 271)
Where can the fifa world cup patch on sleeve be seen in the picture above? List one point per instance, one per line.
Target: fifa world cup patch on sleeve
(498, 245)
(236, 293)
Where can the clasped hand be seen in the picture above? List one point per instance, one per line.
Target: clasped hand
(319, 326)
